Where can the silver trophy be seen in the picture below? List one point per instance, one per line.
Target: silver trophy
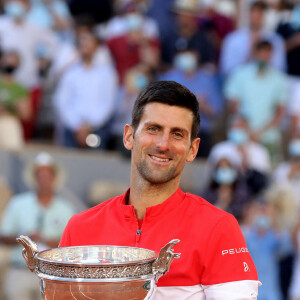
(97, 272)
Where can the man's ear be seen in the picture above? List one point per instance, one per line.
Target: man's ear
(193, 150)
(128, 137)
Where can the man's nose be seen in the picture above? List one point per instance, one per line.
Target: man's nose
(163, 142)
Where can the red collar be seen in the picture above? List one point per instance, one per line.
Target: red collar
(153, 211)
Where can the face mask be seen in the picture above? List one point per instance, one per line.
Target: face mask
(15, 9)
(295, 17)
(225, 175)
(134, 21)
(8, 69)
(238, 136)
(262, 65)
(263, 222)
(294, 148)
(185, 62)
(141, 81)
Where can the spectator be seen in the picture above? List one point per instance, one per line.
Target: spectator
(227, 188)
(135, 80)
(40, 214)
(85, 98)
(50, 14)
(132, 38)
(239, 46)
(287, 173)
(289, 29)
(16, 33)
(253, 157)
(265, 243)
(67, 53)
(294, 291)
(99, 10)
(293, 108)
(187, 35)
(14, 104)
(203, 84)
(258, 92)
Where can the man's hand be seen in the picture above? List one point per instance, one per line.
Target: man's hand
(82, 133)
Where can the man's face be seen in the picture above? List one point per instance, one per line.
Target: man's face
(45, 178)
(263, 55)
(256, 18)
(161, 144)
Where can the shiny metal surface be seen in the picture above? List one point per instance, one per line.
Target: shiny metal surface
(97, 272)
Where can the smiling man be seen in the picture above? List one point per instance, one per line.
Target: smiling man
(214, 262)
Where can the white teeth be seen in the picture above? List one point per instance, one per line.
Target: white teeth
(160, 159)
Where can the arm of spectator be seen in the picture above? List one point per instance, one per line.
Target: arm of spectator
(59, 13)
(24, 109)
(295, 234)
(205, 107)
(233, 91)
(279, 53)
(233, 106)
(274, 122)
(63, 103)
(294, 125)
(150, 52)
(292, 42)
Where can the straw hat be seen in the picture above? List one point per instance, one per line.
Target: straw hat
(43, 159)
(188, 7)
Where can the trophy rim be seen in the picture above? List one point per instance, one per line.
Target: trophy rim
(98, 264)
(53, 278)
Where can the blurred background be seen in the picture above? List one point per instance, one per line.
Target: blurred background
(70, 71)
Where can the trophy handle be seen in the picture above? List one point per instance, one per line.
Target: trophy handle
(165, 257)
(29, 251)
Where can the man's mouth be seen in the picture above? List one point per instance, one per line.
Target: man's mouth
(160, 159)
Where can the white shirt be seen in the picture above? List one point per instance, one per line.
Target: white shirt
(236, 290)
(117, 26)
(86, 95)
(25, 38)
(258, 157)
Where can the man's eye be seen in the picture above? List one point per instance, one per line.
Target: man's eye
(178, 134)
(152, 129)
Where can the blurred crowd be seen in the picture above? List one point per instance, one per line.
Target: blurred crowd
(71, 70)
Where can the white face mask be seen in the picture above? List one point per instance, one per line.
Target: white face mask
(15, 9)
(186, 62)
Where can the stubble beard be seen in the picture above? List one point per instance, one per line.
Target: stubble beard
(156, 177)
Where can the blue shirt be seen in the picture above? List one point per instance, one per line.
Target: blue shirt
(264, 250)
(204, 85)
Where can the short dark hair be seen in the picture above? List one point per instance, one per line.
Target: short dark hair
(263, 44)
(170, 93)
(262, 5)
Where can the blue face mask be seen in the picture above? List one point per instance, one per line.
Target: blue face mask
(237, 136)
(263, 222)
(134, 21)
(140, 81)
(225, 175)
(15, 9)
(185, 62)
(295, 17)
(294, 148)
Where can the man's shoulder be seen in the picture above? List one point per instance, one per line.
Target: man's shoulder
(94, 211)
(206, 210)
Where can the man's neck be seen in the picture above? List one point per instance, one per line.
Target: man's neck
(144, 194)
